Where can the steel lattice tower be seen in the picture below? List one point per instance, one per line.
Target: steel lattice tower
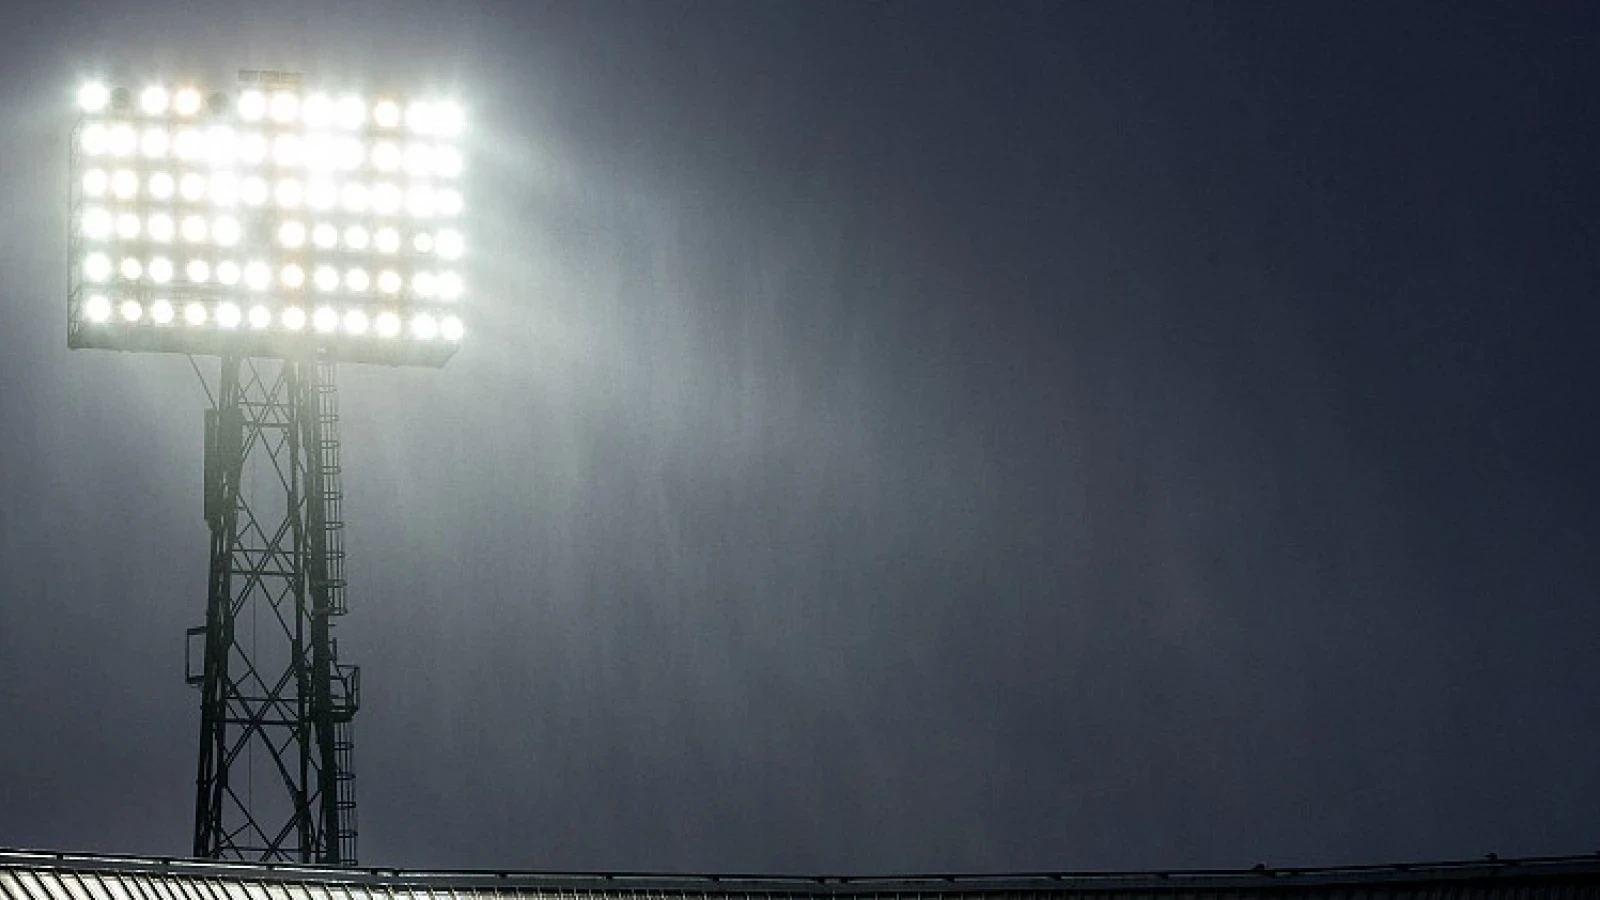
(275, 780)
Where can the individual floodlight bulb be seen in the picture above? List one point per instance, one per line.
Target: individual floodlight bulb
(450, 328)
(195, 314)
(127, 226)
(317, 110)
(320, 152)
(422, 242)
(321, 195)
(252, 106)
(386, 114)
(288, 150)
(95, 140)
(228, 273)
(292, 276)
(225, 231)
(227, 315)
(390, 282)
(121, 140)
(225, 189)
(260, 316)
(388, 324)
(283, 107)
(447, 201)
(189, 145)
(386, 198)
(348, 153)
(387, 240)
(193, 229)
(97, 308)
(96, 182)
(153, 100)
(447, 162)
(154, 143)
(96, 224)
(418, 160)
(131, 310)
(294, 318)
(356, 237)
(355, 322)
(419, 117)
(198, 271)
(161, 312)
(186, 102)
(325, 320)
(385, 156)
(354, 197)
(420, 201)
(130, 269)
(350, 113)
(449, 244)
(124, 185)
(257, 277)
(288, 193)
(160, 270)
(93, 97)
(357, 280)
(253, 190)
(325, 236)
(424, 284)
(161, 186)
(448, 119)
(326, 278)
(222, 145)
(450, 285)
(251, 148)
(160, 228)
(97, 267)
(424, 326)
(292, 234)
(192, 187)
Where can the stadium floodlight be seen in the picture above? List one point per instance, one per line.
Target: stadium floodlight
(263, 192)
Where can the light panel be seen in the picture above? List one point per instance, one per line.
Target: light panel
(274, 223)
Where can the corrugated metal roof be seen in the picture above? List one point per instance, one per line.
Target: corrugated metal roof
(28, 875)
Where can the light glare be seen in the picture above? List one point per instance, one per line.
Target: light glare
(355, 322)
(260, 317)
(252, 105)
(161, 186)
(195, 314)
(325, 319)
(131, 310)
(97, 267)
(294, 318)
(450, 328)
(153, 100)
(97, 308)
(161, 312)
(160, 270)
(198, 271)
(186, 102)
(160, 228)
(96, 182)
(388, 324)
(227, 315)
(424, 326)
(93, 97)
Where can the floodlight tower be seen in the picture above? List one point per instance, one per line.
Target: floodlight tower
(282, 233)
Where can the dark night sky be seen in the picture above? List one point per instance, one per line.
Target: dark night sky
(893, 436)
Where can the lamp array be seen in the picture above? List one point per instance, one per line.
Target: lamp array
(228, 315)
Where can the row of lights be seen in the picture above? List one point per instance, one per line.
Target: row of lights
(99, 309)
(257, 275)
(226, 189)
(99, 224)
(316, 110)
(221, 146)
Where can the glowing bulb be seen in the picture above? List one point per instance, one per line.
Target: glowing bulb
(253, 190)
(160, 270)
(186, 102)
(198, 271)
(97, 267)
(450, 328)
(422, 242)
(153, 100)
(356, 237)
(419, 117)
(294, 318)
(287, 150)
(317, 111)
(193, 229)
(355, 322)
(251, 149)
(225, 189)
(448, 201)
(252, 105)
(386, 113)
(447, 162)
(357, 280)
(326, 278)
(449, 244)
(225, 231)
(222, 145)
(418, 160)
(96, 140)
(448, 119)
(385, 156)
(131, 310)
(96, 182)
(121, 140)
(96, 224)
(388, 324)
(127, 226)
(227, 315)
(450, 286)
(387, 240)
(423, 284)
(192, 186)
(321, 194)
(124, 185)
(260, 317)
(325, 319)
(228, 273)
(195, 314)
(257, 276)
(93, 97)
(420, 202)
(160, 228)
(161, 312)
(284, 107)
(424, 327)
(153, 143)
(348, 153)
(385, 199)
(389, 281)
(161, 186)
(97, 308)
(350, 112)
(325, 236)
(354, 197)
(189, 145)
(131, 269)
(288, 193)
(292, 276)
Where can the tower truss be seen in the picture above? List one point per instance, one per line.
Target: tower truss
(275, 782)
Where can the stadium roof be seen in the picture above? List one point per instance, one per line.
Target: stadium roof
(29, 875)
